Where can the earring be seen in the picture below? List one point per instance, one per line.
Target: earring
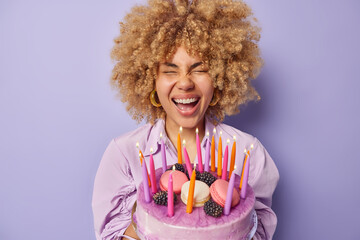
(153, 99)
(214, 101)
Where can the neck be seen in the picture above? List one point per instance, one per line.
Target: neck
(189, 134)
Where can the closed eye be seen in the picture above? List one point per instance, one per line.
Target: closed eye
(199, 71)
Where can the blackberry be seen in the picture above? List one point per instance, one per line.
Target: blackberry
(207, 178)
(213, 209)
(178, 167)
(197, 174)
(161, 198)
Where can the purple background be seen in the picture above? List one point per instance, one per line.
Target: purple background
(58, 113)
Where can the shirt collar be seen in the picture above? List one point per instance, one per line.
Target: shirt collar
(154, 140)
(209, 127)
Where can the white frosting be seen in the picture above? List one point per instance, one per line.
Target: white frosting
(154, 229)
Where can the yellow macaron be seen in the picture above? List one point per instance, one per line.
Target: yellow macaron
(201, 193)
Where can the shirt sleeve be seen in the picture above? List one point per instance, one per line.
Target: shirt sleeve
(266, 177)
(113, 195)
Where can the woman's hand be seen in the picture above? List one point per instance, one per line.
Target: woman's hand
(130, 231)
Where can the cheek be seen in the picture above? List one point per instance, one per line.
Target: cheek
(163, 88)
(209, 94)
(207, 88)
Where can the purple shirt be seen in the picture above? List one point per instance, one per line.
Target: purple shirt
(119, 175)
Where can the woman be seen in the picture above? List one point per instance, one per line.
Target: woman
(185, 64)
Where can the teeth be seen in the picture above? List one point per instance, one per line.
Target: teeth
(185, 101)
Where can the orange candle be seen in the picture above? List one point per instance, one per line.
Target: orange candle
(179, 147)
(189, 205)
(246, 157)
(141, 161)
(213, 151)
(219, 165)
(243, 168)
(232, 160)
(141, 156)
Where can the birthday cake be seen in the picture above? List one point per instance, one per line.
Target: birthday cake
(206, 221)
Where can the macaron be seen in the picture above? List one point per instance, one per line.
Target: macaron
(201, 193)
(179, 178)
(218, 191)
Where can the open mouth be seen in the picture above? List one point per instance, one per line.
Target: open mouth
(186, 104)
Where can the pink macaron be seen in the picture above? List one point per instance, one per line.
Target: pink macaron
(218, 192)
(179, 178)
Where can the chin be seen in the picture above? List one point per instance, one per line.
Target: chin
(189, 123)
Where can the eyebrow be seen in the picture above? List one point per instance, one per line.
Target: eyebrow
(176, 66)
(170, 64)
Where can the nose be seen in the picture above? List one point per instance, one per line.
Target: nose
(185, 83)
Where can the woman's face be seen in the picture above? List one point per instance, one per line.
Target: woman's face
(185, 89)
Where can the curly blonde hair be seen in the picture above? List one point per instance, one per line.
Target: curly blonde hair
(223, 33)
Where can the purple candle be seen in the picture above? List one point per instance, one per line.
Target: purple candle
(163, 154)
(207, 153)
(245, 179)
(201, 169)
(187, 160)
(152, 173)
(145, 183)
(225, 161)
(229, 195)
(170, 196)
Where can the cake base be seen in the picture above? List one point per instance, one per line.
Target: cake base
(153, 222)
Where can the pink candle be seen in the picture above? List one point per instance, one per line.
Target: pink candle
(163, 154)
(152, 173)
(201, 168)
(145, 183)
(219, 164)
(225, 161)
(212, 155)
(187, 159)
(245, 179)
(207, 153)
(229, 194)
(170, 196)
